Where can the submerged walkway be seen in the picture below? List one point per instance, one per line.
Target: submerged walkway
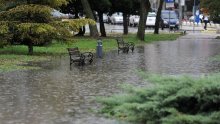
(57, 95)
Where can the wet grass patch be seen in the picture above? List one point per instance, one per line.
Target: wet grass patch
(215, 58)
(162, 37)
(149, 38)
(56, 48)
(84, 44)
(12, 57)
(12, 62)
(168, 100)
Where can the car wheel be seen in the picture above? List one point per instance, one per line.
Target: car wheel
(177, 28)
(135, 25)
(113, 22)
(161, 26)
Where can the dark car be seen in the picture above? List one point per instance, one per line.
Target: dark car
(169, 19)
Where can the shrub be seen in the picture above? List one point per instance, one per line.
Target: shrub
(31, 23)
(169, 100)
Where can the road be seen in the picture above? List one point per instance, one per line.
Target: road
(185, 26)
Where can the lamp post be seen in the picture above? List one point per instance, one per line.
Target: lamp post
(180, 14)
(194, 11)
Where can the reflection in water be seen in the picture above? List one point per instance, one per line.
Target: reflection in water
(58, 95)
(182, 57)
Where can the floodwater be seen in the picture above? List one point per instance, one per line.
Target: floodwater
(57, 94)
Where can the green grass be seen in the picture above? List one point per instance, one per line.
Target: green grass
(11, 56)
(11, 62)
(161, 37)
(215, 58)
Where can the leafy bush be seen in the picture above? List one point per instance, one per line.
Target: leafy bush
(4, 34)
(31, 23)
(3, 43)
(169, 100)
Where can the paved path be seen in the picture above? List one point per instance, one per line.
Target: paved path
(57, 95)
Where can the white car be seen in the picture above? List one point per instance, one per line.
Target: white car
(105, 18)
(150, 22)
(134, 20)
(116, 18)
(57, 14)
(151, 19)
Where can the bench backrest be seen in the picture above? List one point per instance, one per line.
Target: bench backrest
(74, 52)
(120, 42)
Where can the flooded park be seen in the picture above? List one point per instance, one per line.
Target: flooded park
(58, 94)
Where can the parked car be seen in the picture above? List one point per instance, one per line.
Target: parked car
(169, 19)
(150, 22)
(116, 18)
(71, 16)
(151, 19)
(57, 14)
(105, 18)
(134, 20)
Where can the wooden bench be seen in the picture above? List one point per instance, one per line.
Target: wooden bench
(80, 58)
(124, 46)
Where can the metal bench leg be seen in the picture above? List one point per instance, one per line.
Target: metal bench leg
(132, 49)
(90, 61)
(127, 50)
(71, 62)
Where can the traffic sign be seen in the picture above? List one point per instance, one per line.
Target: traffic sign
(182, 2)
(169, 1)
(169, 5)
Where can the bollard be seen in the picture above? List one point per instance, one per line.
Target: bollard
(99, 48)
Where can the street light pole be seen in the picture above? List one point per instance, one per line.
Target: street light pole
(180, 14)
(194, 11)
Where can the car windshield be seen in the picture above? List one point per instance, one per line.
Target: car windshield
(151, 15)
(117, 14)
(171, 15)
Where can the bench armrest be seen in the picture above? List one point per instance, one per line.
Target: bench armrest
(131, 43)
(88, 56)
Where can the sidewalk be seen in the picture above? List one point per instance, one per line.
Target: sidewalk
(211, 25)
(190, 26)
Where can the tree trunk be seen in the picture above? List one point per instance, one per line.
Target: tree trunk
(144, 8)
(158, 18)
(30, 47)
(88, 11)
(28, 1)
(125, 23)
(81, 32)
(102, 26)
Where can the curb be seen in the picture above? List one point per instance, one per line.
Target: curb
(209, 31)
